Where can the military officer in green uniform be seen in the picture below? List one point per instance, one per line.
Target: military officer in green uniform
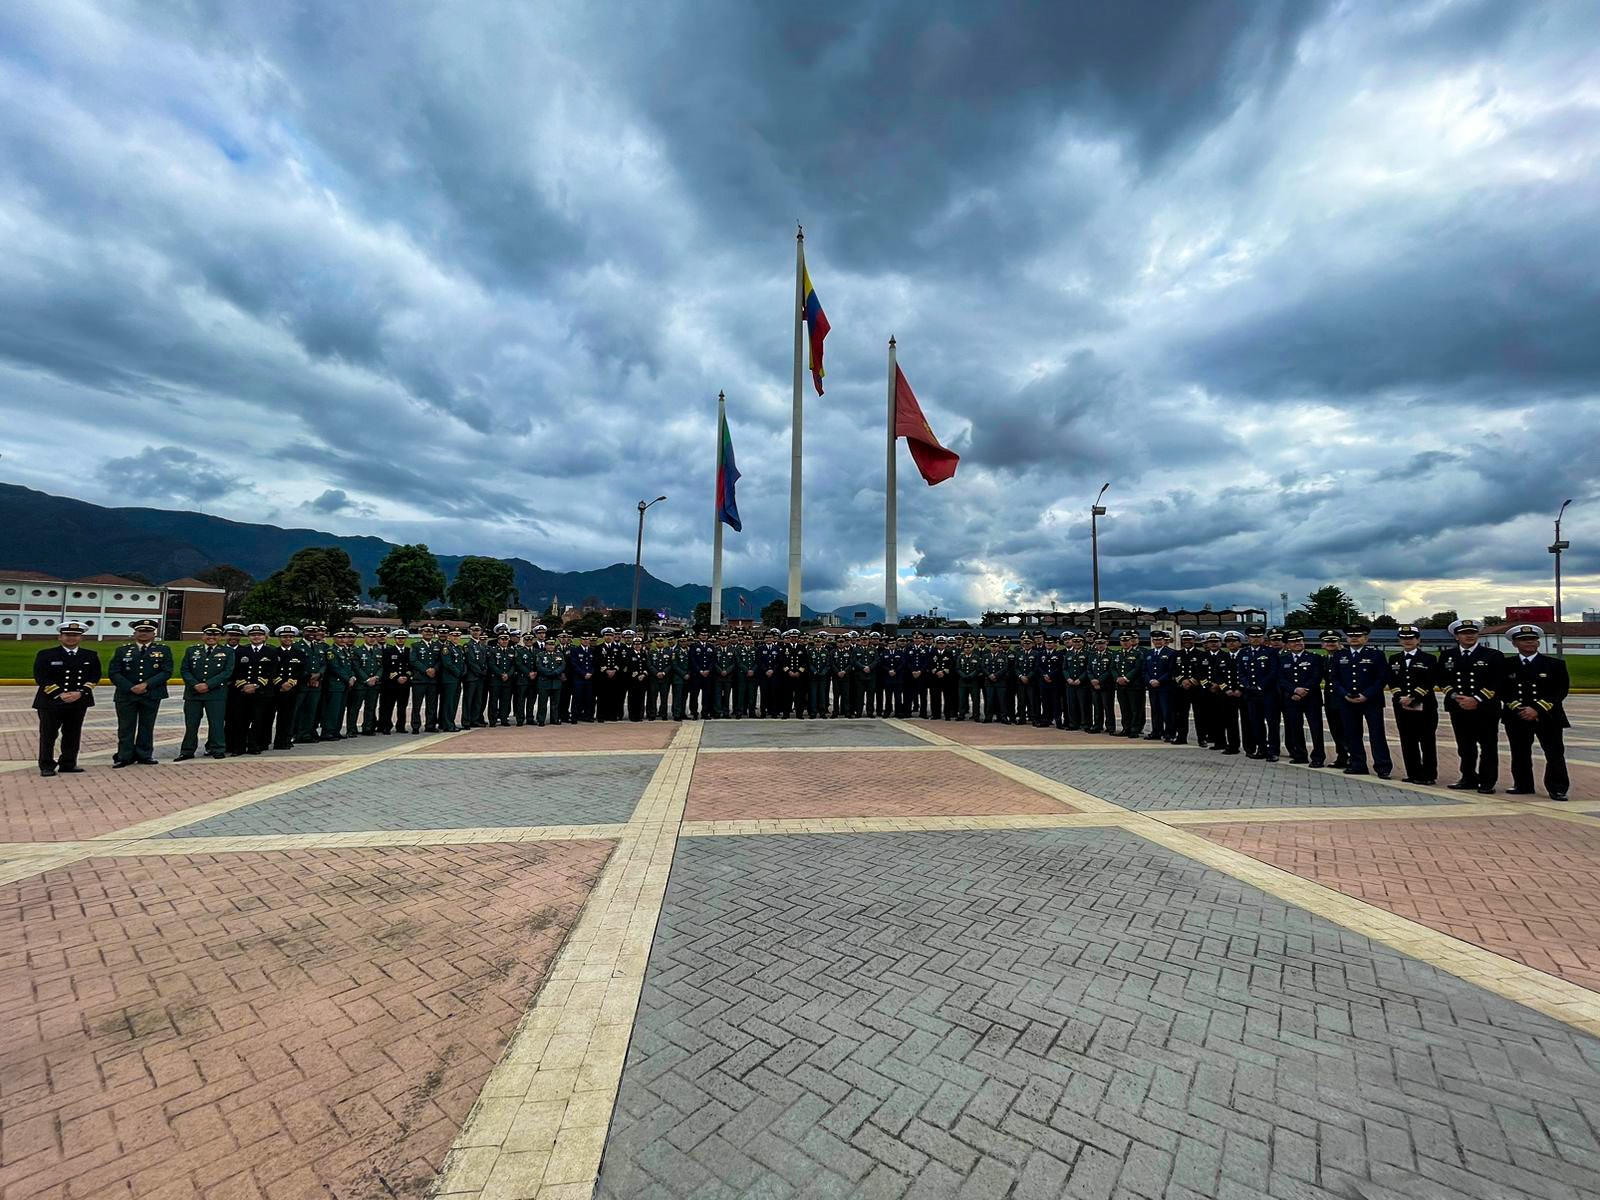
(550, 672)
(819, 671)
(840, 673)
(362, 706)
(452, 672)
(338, 680)
(206, 669)
(969, 679)
(1075, 681)
(744, 676)
(502, 669)
(422, 657)
(475, 679)
(1102, 714)
(308, 709)
(658, 681)
(139, 671)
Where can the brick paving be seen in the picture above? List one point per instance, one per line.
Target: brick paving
(448, 794)
(101, 800)
(793, 734)
(311, 1023)
(977, 734)
(626, 735)
(1066, 1013)
(745, 787)
(1200, 779)
(1524, 887)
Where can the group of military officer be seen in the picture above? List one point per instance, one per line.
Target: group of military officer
(1256, 693)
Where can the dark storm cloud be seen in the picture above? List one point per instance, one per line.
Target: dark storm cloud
(1313, 287)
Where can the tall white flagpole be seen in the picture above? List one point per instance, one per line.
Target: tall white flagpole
(891, 580)
(716, 521)
(795, 427)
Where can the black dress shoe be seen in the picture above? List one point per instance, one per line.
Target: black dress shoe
(50, 774)
(184, 757)
(1230, 752)
(70, 770)
(1462, 785)
(1272, 758)
(1558, 795)
(1153, 737)
(1299, 762)
(1317, 763)
(1486, 791)
(117, 764)
(1519, 791)
(1356, 771)
(1384, 774)
(1339, 764)
(216, 756)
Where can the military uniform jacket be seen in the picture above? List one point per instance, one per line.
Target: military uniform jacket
(502, 665)
(943, 662)
(1540, 682)
(1476, 673)
(865, 661)
(792, 658)
(1227, 671)
(608, 657)
(1126, 664)
(680, 663)
(580, 662)
(659, 662)
(422, 655)
(368, 663)
(1074, 665)
(1413, 676)
(702, 657)
(745, 659)
(1047, 666)
(56, 671)
(551, 665)
(1191, 666)
(316, 657)
(476, 654)
(1020, 663)
(1161, 665)
(212, 666)
(396, 664)
(727, 662)
(255, 665)
(969, 664)
(292, 665)
(633, 663)
(819, 659)
(893, 663)
(1258, 668)
(452, 662)
(1360, 672)
(1300, 671)
(151, 665)
(527, 667)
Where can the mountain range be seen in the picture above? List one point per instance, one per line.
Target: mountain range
(73, 539)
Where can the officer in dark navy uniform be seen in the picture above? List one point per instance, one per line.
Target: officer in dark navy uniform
(1359, 676)
(1186, 690)
(1160, 676)
(1333, 649)
(66, 675)
(1413, 674)
(248, 722)
(1535, 686)
(1258, 669)
(1224, 681)
(1471, 675)
(1300, 699)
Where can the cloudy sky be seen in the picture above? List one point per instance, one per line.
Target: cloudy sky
(1316, 288)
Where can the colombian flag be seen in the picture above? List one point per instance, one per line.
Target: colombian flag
(816, 327)
(727, 476)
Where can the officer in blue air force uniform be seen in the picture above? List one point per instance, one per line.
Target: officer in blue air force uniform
(1535, 686)
(139, 670)
(1160, 676)
(66, 676)
(1359, 676)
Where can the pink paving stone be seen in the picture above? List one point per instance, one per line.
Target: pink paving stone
(858, 783)
(299, 1023)
(101, 800)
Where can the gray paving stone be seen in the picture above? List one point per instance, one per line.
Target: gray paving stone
(1180, 778)
(798, 734)
(448, 794)
(1016, 1013)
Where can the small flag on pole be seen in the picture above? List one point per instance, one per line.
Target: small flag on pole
(934, 462)
(816, 329)
(727, 476)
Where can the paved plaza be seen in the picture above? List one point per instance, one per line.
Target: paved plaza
(790, 958)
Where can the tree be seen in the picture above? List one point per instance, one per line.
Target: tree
(1439, 620)
(702, 615)
(776, 614)
(481, 587)
(1329, 607)
(1385, 621)
(234, 582)
(409, 577)
(317, 584)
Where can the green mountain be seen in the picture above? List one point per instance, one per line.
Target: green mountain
(73, 539)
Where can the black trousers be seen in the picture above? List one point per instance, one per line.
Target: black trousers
(1225, 730)
(1477, 742)
(1130, 703)
(1520, 735)
(392, 706)
(1334, 711)
(1298, 715)
(1418, 732)
(65, 721)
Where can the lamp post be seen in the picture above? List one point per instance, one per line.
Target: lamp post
(638, 555)
(1096, 511)
(1556, 547)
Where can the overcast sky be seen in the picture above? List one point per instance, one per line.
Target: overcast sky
(1317, 289)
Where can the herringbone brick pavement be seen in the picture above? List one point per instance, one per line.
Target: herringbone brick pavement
(1523, 887)
(1067, 1013)
(780, 735)
(1189, 779)
(458, 793)
(747, 787)
(100, 800)
(978, 734)
(306, 1023)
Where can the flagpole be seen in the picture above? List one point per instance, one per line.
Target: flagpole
(891, 581)
(716, 520)
(795, 425)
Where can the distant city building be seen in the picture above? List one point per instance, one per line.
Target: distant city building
(1591, 617)
(1576, 637)
(1119, 618)
(33, 605)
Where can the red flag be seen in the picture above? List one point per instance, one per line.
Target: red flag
(935, 462)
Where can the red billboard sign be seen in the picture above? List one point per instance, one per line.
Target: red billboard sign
(1531, 612)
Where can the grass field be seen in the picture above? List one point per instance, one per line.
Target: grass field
(16, 660)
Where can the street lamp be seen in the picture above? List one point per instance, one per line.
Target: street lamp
(1556, 547)
(638, 554)
(1096, 511)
